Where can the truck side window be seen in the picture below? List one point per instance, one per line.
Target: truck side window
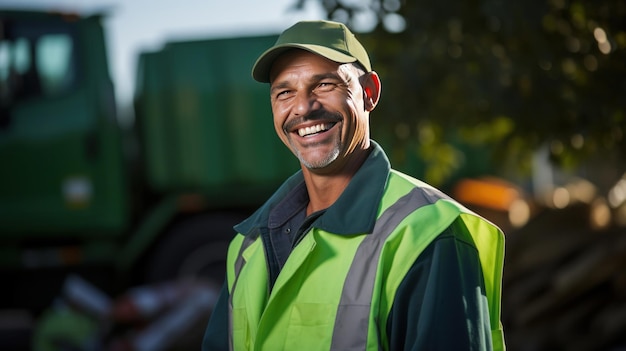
(5, 71)
(54, 63)
(14, 64)
(17, 74)
(21, 56)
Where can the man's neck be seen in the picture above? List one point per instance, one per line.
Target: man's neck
(325, 188)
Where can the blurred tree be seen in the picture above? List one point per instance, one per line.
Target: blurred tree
(470, 84)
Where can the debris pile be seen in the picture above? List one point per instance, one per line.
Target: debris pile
(564, 284)
(166, 316)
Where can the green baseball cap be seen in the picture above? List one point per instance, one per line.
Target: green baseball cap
(332, 40)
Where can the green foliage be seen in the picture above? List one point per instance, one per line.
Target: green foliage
(503, 77)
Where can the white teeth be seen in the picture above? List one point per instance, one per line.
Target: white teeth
(313, 129)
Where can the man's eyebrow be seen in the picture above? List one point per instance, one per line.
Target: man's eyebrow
(331, 75)
(314, 79)
(278, 86)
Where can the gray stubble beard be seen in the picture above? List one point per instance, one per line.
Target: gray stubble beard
(332, 156)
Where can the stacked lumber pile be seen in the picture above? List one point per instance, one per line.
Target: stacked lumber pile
(564, 285)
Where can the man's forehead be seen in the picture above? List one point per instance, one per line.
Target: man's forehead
(294, 58)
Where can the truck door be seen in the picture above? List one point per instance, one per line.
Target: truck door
(60, 161)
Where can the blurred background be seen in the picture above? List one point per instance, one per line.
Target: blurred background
(132, 138)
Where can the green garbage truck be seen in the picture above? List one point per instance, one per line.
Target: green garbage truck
(82, 193)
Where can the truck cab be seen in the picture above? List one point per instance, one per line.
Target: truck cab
(75, 198)
(59, 143)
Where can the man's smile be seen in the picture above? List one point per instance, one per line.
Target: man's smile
(318, 128)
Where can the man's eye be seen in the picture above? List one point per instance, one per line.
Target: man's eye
(282, 94)
(325, 86)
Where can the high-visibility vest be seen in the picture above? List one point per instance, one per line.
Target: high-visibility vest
(334, 287)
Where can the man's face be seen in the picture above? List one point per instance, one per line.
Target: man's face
(318, 110)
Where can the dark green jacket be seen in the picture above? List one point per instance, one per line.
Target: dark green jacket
(440, 303)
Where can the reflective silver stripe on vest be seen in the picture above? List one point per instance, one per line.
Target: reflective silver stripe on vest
(247, 241)
(351, 323)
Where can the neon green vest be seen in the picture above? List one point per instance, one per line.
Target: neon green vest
(334, 287)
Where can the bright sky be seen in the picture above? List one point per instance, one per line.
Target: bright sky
(136, 25)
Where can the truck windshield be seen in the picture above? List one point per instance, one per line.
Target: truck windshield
(35, 60)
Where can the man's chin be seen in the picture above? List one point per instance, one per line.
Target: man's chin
(318, 162)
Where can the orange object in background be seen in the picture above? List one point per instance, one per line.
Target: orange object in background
(492, 193)
(508, 203)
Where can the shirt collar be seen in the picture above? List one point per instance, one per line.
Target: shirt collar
(355, 210)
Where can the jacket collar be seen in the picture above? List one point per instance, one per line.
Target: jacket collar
(354, 212)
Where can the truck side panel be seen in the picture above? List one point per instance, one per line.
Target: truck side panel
(206, 124)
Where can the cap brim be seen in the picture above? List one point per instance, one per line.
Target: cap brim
(263, 65)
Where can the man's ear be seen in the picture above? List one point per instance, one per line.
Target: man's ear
(371, 90)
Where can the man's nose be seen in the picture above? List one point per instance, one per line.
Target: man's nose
(305, 103)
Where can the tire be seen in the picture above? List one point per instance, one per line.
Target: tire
(195, 247)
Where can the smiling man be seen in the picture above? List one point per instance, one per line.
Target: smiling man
(349, 254)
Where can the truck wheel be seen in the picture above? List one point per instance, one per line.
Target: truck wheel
(195, 247)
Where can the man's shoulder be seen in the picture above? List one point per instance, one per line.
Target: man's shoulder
(408, 180)
(403, 183)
